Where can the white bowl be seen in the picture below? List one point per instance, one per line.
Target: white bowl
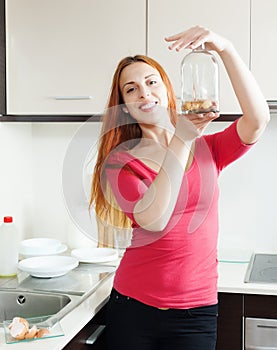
(48, 266)
(39, 246)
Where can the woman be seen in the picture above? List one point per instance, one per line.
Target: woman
(156, 171)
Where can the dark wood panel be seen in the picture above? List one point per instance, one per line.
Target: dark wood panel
(230, 311)
(78, 342)
(260, 306)
(51, 118)
(80, 118)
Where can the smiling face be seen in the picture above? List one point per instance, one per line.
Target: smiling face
(143, 92)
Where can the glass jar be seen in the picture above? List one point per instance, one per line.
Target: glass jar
(200, 82)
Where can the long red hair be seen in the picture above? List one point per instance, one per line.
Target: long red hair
(119, 127)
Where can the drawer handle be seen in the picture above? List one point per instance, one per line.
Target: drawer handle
(73, 98)
(272, 104)
(95, 335)
(265, 326)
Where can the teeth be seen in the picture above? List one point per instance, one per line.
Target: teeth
(148, 105)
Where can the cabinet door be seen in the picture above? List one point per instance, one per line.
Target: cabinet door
(61, 55)
(263, 46)
(79, 341)
(230, 313)
(260, 306)
(229, 18)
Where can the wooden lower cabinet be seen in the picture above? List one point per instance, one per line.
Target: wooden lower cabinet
(230, 316)
(231, 310)
(230, 320)
(79, 341)
(260, 306)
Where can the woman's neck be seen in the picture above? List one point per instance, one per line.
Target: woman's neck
(157, 133)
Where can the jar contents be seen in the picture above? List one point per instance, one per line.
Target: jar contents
(199, 82)
(200, 106)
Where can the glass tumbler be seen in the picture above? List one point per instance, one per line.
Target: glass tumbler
(122, 239)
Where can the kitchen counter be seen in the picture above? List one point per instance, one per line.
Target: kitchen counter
(71, 323)
(231, 280)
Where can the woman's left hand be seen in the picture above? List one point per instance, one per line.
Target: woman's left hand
(201, 121)
(195, 37)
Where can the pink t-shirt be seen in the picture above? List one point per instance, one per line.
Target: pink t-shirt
(177, 267)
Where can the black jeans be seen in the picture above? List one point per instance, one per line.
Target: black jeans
(132, 325)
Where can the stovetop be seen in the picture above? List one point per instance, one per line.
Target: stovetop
(262, 268)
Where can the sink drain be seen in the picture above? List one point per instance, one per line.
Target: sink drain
(21, 299)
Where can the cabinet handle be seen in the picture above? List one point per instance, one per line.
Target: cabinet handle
(266, 326)
(272, 104)
(95, 335)
(73, 97)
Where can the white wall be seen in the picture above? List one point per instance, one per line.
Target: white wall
(16, 174)
(32, 158)
(247, 206)
(54, 215)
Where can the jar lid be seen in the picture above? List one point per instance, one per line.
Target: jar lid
(8, 219)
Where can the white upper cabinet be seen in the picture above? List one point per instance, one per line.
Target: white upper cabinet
(264, 45)
(229, 18)
(61, 54)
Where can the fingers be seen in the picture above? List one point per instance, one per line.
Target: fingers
(200, 121)
(178, 41)
(173, 37)
(190, 38)
(195, 37)
(200, 118)
(190, 126)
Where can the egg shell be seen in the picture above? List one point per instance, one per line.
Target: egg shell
(31, 333)
(42, 332)
(18, 330)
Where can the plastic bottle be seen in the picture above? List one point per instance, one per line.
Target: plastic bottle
(9, 241)
(199, 73)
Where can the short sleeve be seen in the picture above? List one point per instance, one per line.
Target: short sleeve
(226, 146)
(128, 179)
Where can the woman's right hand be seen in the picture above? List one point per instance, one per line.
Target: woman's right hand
(195, 37)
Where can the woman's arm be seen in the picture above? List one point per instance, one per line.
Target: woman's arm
(252, 102)
(154, 209)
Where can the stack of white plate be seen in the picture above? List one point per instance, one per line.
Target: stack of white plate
(41, 258)
(41, 246)
(48, 266)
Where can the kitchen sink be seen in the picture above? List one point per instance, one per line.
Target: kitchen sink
(30, 304)
(28, 297)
